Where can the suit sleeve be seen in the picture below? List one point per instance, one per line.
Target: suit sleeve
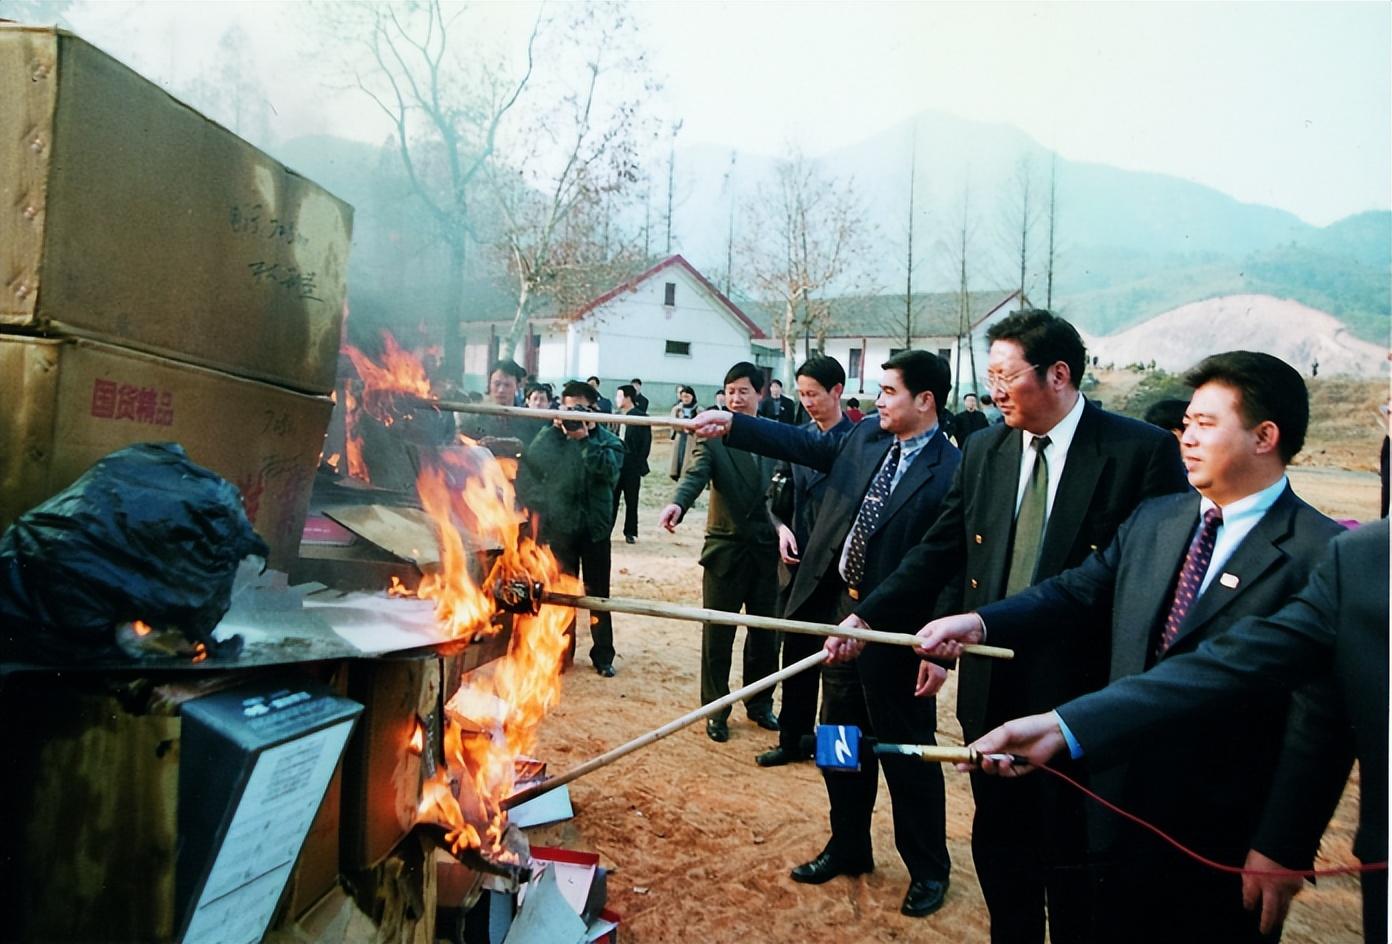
(1316, 757)
(1079, 599)
(812, 448)
(1256, 654)
(696, 476)
(897, 604)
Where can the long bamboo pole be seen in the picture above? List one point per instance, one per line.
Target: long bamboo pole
(526, 412)
(705, 711)
(676, 611)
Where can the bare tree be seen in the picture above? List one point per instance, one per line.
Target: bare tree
(231, 92)
(572, 160)
(446, 101)
(964, 325)
(671, 180)
(909, 250)
(1022, 214)
(808, 237)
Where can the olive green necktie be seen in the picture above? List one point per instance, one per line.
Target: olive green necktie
(1029, 522)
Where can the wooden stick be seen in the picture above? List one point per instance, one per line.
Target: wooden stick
(939, 753)
(676, 611)
(705, 711)
(525, 412)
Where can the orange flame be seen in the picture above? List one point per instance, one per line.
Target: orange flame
(352, 439)
(467, 492)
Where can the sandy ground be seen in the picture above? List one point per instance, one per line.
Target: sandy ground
(700, 839)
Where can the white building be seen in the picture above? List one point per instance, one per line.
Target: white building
(867, 330)
(668, 325)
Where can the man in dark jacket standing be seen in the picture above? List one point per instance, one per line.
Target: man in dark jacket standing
(776, 406)
(637, 442)
(885, 483)
(820, 382)
(1032, 498)
(740, 557)
(567, 477)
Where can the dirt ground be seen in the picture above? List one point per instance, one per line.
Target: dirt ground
(700, 839)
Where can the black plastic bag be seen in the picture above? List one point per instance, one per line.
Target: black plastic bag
(144, 534)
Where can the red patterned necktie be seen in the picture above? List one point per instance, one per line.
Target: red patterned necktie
(1191, 577)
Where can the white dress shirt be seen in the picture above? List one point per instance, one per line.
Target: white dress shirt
(1239, 518)
(1055, 454)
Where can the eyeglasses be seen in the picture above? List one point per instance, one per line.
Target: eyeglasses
(996, 381)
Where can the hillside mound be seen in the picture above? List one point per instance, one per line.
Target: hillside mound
(1299, 335)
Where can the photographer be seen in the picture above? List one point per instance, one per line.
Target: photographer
(567, 478)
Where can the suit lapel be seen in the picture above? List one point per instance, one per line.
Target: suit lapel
(1081, 470)
(1148, 604)
(1258, 553)
(914, 478)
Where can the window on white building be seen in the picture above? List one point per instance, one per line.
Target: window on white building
(678, 348)
(853, 371)
(669, 295)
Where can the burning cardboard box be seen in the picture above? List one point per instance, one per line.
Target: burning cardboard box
(128, 217)
(69, 402)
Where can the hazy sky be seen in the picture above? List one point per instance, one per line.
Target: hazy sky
(1288, 104)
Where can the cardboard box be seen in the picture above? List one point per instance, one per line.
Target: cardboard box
(69, 402)
(128, 217)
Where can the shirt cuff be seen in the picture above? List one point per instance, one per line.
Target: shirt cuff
(1075, 750)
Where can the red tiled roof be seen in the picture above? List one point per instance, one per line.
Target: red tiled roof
(677, 260)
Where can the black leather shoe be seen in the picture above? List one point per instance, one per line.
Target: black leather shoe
(779, 756)
(717, 731)
(924, 897)
(606, 670)
(765, 720)
(630, 539)
(826, 867)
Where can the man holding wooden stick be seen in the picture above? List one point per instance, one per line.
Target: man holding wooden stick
(885, 483)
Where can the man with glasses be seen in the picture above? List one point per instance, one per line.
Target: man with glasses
(1033, 497)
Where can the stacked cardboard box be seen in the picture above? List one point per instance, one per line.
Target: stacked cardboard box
(160, 279)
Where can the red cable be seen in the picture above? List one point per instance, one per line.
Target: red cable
(1221, 867)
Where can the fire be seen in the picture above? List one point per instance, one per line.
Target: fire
(466, 492)
(352, 439)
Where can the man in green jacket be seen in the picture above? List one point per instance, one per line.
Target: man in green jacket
(567, 477)
(740, 556)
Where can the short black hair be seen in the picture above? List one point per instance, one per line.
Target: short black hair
(853, 402)
(923, 371)
(1166, 414)
(972, 395)
(536, 388)
(775, 380)
(593, 381)
(1267, 389)
(827, 371)
(629, 391)
(687, 389)
(637, 381)
(1045, 338)
(580, 391)
(746, 370)
(509, 367)
(986, 400)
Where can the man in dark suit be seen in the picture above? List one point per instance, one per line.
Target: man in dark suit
(637, 441)
(1009, 521)
(885, 482)
(1336, 625)
(1183, 568)
(739, 559)
(970, 420)
(820, 381)
(642, 401)
(776, 406)
(602, 403)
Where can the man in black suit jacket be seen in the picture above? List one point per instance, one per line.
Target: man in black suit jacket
(820, 381)
(637, 441)
(1204, 786)
(1337, 624)
(885, 483)
(1028, 838)
(970, 420)
(776, 406)
(739, 560)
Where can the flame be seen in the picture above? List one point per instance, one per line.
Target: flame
(417, 742)
(352, 439)
(467, 492)
(141, 627)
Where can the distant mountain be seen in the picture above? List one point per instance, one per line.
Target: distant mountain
(1130, 244)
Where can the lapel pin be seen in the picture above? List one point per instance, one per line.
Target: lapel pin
(1228, 580)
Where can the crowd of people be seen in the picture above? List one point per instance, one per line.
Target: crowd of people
(1193, 641)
